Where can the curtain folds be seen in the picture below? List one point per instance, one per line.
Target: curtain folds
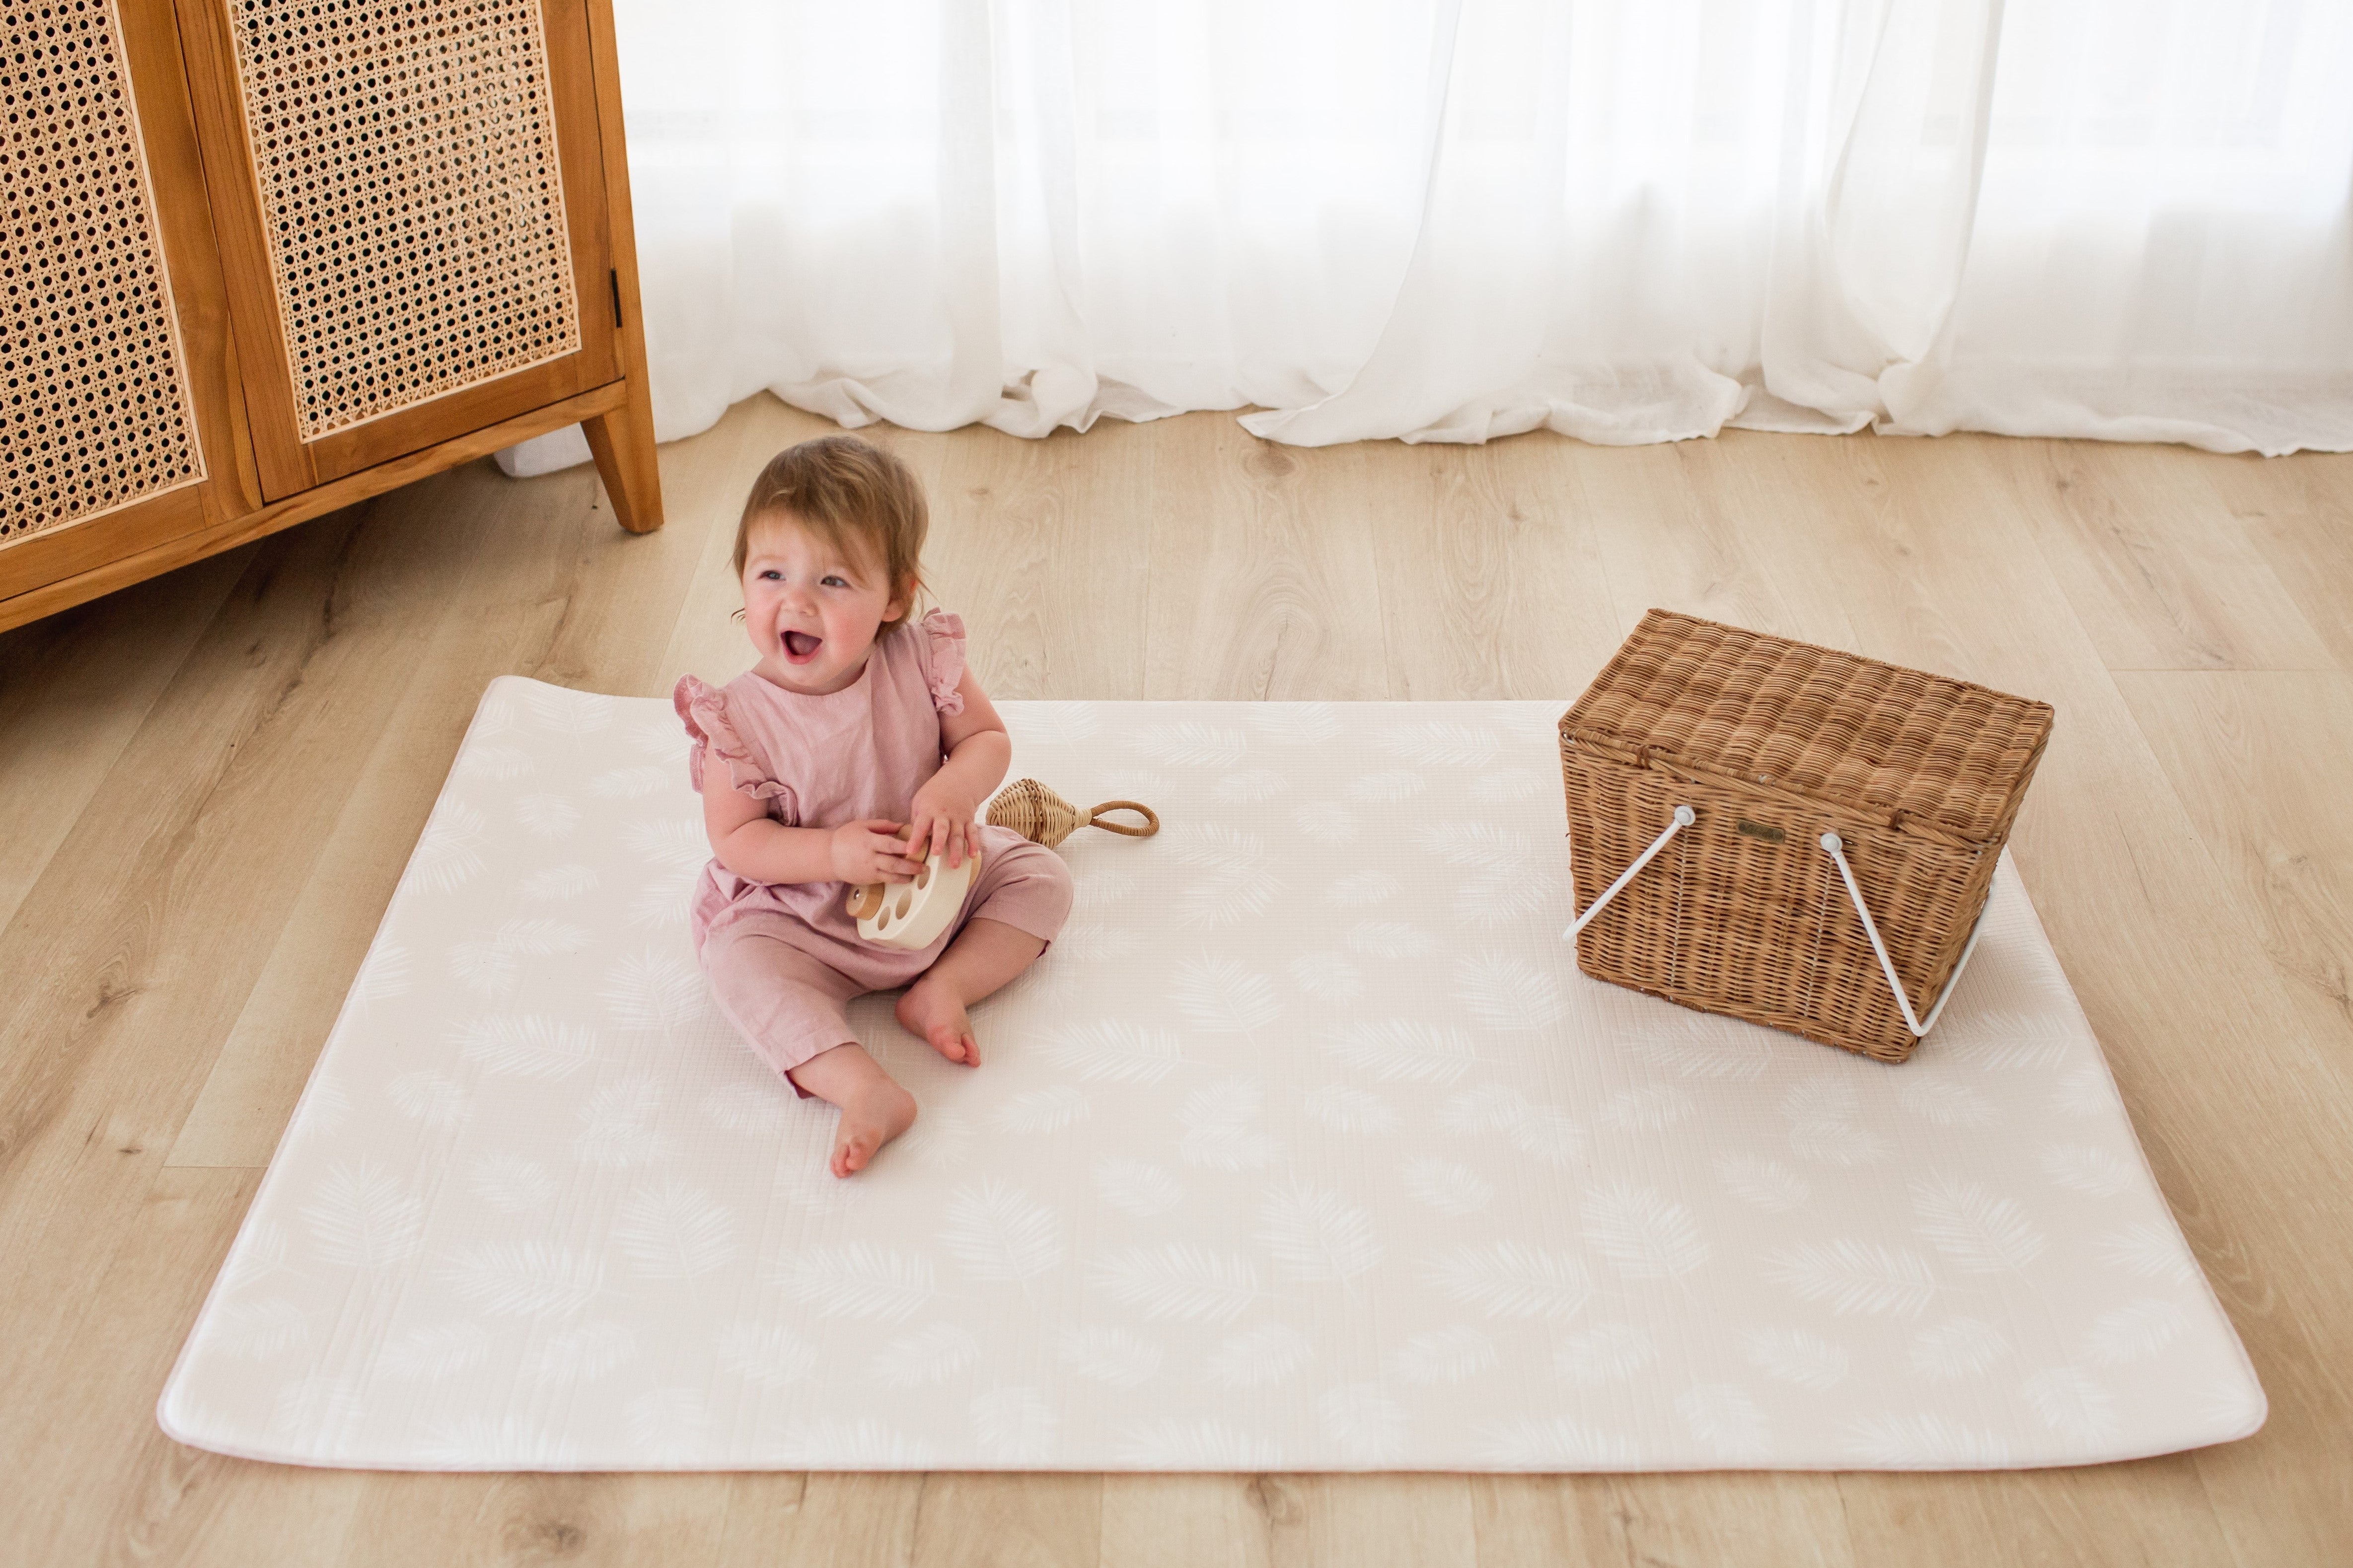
(1447, 220)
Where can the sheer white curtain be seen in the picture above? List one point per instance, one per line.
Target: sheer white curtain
(1453, 220)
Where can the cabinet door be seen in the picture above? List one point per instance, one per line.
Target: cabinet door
(410, 202)
(119, 427)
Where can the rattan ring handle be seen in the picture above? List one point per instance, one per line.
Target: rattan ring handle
(1151, 819)
(1684, 817)
(1835, 847)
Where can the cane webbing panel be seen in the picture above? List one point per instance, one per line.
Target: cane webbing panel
(97, 414)
(405, 153)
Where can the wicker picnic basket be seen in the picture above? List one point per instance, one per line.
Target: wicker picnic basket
(1824, 828)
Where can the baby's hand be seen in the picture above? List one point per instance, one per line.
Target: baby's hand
(871, 851)
(942, 821)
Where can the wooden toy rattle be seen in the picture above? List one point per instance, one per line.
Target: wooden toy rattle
(1041, 816)
(911, 915)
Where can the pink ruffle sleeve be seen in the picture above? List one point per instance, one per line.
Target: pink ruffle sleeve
(941, 643)
(702, 709)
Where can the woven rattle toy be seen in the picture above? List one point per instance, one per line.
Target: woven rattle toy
(1041, 816)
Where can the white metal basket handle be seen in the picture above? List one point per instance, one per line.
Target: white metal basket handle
(1835, 847)
(1684, 818)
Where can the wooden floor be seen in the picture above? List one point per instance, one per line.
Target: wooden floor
(208, 784)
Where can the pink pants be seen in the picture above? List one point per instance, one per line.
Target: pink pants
(789, 1003)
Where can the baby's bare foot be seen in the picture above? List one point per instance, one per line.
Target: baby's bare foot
(878, 1112)
(931, 1010)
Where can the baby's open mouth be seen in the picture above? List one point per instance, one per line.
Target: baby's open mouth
(800, 647)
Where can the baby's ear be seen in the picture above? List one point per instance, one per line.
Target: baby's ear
(903, 601)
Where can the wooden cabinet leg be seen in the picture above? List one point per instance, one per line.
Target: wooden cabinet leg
(622, 442)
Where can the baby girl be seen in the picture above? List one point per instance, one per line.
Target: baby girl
(856, 722)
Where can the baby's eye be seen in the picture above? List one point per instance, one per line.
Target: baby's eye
(772, 576)
(832, 581)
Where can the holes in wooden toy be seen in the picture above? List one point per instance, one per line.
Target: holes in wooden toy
(94, 406)
(411, 197)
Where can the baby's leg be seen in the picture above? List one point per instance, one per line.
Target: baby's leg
(985, 955)
(874, 1109)
(1023, 897)
(788, 1007)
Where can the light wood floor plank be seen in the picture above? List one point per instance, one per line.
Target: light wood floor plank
(2253, 757)
(1734, 1520)
(1492, 583)
(763, 1511)
(1045, 549)
(1263, 585)
(979, 1521)
(140, 1497)
(1186, 1521)
(2151, 560)
(1381, 1521)
(74, 690)
(1671, 537)
(2260, 762)
(2153, 1511)
(2299, 516)
(823, 1520)
(240, 1513)
(523, 1520)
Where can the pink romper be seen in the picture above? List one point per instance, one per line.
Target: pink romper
(784, 960)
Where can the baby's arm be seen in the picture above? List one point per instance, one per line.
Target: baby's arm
(758, 848)
(979, 752)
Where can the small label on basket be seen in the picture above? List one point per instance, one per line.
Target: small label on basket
(1759, 830)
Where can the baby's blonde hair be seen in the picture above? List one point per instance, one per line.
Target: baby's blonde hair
(851, 492)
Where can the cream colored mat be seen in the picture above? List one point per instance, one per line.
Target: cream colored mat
(1306, 1148)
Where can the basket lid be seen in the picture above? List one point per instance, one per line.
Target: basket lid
(1920, 752)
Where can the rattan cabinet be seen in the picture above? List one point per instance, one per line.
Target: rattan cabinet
(263, 258)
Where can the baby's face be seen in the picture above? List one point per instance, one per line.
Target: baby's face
(812, 608)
